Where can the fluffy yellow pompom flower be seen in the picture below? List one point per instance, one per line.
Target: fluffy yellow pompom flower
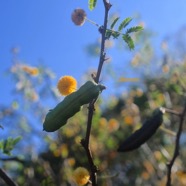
(66, 85)
(81, 176)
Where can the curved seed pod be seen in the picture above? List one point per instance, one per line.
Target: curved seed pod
(141, 135)
(71, 104)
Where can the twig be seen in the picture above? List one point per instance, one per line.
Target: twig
(103, 31)
(92, 22)
(6, 178)
(13, 159)
(171, 111)
(177, 147)
(85, 142)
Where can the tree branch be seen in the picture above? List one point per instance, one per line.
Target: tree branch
(6, 178)
(85, 142)
(171, 111)
(103, 38)
(177, 147)
(13, 159)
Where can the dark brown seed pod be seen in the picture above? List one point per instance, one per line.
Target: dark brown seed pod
(141, 135)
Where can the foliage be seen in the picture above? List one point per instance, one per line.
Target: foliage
(8, 145)
(125, 36)
(92, 4)
(120, 116)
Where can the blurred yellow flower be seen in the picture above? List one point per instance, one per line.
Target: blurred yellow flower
(128, 120)
(136, 60)
(165, 68)
(103, 122)
(113, 125)
(71, 161)
(66, 85)
(139, 92)
(78, 17)
(57, 153)
(60, 151)
(145, 175)
(81, 176)
(33, 71)
(181, 177)
(158, 155)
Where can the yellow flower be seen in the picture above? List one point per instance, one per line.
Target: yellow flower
(81, 176)
(33, 71)
(78, 17)
(165, 68)
(128, 120)
(66, 85)
(113, 124)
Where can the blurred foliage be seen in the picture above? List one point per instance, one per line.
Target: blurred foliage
(8, 145)
(42, 158)
(92, 4)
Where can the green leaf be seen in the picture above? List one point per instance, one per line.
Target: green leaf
(115, 35)
(175, 88)
(112, 33)
(134, 29)
(124, 23)
(114, 22)
(108, 33)
(128, 40)
(16, 140)
(92, 4)
(1, 144)
(8, 145)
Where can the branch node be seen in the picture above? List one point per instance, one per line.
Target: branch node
(83, 143)
(101, 28)
(93, 75)
(95, 168)
(108, 5)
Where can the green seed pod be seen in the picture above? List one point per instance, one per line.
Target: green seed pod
(141, 135)
(71, 104)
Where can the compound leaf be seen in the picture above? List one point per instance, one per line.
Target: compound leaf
(124, 23)
(134, 29)
(128, 40)
(92, 4)
(114, 22)
(8, 145)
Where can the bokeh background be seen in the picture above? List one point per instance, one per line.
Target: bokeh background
(39, 43)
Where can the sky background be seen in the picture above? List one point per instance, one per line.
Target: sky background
(44, 32)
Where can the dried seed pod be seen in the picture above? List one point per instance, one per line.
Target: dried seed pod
(141, 135)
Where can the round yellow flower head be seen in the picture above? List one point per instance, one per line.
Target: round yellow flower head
(78, 17)
(66, 85)
(81, 176)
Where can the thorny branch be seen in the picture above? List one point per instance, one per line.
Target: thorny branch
(177, 147)
(85, 142)
(103, 38)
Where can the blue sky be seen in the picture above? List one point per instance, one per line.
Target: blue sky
(43, 31)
